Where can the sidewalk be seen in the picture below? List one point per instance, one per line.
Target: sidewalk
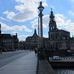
(45, 68)
(24, 65)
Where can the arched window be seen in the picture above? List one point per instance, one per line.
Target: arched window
(53, 27)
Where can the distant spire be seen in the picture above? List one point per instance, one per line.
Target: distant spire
(35, 31)
(0, 28)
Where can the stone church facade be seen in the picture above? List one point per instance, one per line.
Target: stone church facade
(58, 39)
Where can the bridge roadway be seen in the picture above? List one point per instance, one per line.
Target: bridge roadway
(26, 64)
(7, 57)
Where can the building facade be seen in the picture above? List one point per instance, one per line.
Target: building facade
(58, 39)
(32, 41)
(8, 42)
(72, 44)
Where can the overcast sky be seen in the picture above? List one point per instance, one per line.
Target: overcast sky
(20, 16)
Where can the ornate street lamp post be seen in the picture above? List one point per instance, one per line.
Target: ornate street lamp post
(40, 8)
(40, 28)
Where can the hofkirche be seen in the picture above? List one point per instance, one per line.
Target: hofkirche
(57, 40)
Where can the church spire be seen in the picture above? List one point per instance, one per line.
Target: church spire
(52, 22)
(35, 32)
(51, 15)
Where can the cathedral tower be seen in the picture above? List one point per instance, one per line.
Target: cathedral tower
(52, 23)
(52, 26)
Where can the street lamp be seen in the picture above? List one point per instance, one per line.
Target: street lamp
(40, 8)
(40, 28)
